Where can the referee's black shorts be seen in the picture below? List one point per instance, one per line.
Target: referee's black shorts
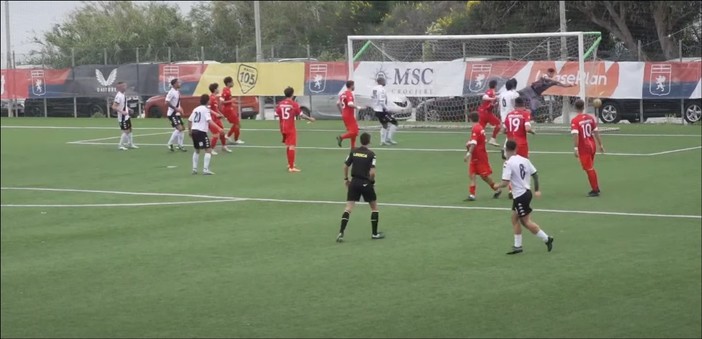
(361, 188)
(522, 204)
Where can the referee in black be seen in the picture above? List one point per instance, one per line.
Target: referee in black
(362, 163)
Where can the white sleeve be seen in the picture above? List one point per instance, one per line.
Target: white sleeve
(169, 96)
(190, 118)
(208, 116)
(506, 172)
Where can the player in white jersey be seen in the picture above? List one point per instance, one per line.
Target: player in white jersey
(380, 106)
(518, 172)
(174, 115)
(507, 98)
(119, 105)
(199, 123)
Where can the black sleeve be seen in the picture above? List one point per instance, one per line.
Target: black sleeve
(349, 159)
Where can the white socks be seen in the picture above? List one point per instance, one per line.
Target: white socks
(181, 136)
(517, 240)
(391, 132)
(173, 138)
(208, 156)
(383, 134)
(542, 235)
(123, 140)
(196, 158)
(131, 139)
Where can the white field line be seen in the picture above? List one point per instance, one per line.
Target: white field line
(408, 131)
(307, 202)
(374, 149)
(136, 204)
(116, 137)
(677, 150)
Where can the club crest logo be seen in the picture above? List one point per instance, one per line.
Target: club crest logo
(107, 84)
(479, 75)
(38, 82)
(659, 79)
(169, 73)
(247, 78)
(318, 78)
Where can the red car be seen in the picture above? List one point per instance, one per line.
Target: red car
(156, 106)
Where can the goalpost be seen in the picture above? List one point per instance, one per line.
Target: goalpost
(444, 76)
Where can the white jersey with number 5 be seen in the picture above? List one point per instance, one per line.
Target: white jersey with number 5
(507, 103)
(518, 170)
(201, 118)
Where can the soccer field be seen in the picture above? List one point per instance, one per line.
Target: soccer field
(98, 242)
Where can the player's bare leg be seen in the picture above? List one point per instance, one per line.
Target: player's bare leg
(215, 137)
(536, 230)
(487, 179)
(374, 221)
(291, 160)
(493, 139)
(517, 230)
(234, 133)
(206, 167)
(345, 220)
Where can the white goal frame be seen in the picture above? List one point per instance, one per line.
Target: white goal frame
(580, 36)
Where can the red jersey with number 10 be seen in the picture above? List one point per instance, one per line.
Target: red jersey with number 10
(287, 110)
(584, 125)
(347, 98)
(487, 106)
(516, 123)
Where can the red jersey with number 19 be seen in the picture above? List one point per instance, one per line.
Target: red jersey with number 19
(287, 110)
(515, 125)
(583, 125)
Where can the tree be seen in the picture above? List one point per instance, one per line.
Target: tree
(118, 27)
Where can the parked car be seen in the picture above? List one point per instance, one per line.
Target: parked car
(63, 107)
(324, 107)
(614, 110)
(156, 106)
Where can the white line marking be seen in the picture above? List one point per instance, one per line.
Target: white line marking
(225, 198)
(409, 131)
(677, 150)
(374, 149)
(116, 137)
(136, 204)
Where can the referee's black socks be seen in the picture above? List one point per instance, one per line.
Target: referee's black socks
(344, 221)
(374, 222)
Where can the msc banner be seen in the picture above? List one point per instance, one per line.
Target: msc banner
(255, 79)
(412, 79)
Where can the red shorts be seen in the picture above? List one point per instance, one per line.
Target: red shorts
(488, 118)
(217, 122)
(231, 116)
(480, 167)
(290, 138)
(587, 159)
(523, 150)
(351, 124)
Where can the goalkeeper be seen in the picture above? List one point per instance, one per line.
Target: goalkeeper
(380, 106)
(538, 87)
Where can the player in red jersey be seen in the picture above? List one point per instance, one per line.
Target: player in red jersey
(347, 107)
(486, 112)
(478, 159)
(586, 139)
(517, 125)
(217, 130)
(287, 110)
(229, 112)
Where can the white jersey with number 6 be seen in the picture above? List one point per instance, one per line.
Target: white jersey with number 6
(201, 118)
(507, 103)
(518, 170)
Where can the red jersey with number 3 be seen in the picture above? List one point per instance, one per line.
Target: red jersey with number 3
(487, 106)
(347, 98)
(287, 110)
(227, 96)
(515, 125)
(584, 125)
(477, 138)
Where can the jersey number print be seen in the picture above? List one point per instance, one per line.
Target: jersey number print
(286, 113)
(514, 124)
(587, 130)
(197, 117)
(522, 171)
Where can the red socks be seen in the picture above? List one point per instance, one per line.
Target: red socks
(222, 139)
(352, 136)
(592, 177)
(495, 131)
(235, 130)
(471, 189)
(214, 142)
(291, 158)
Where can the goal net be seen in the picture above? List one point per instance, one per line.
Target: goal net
(442, 78)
